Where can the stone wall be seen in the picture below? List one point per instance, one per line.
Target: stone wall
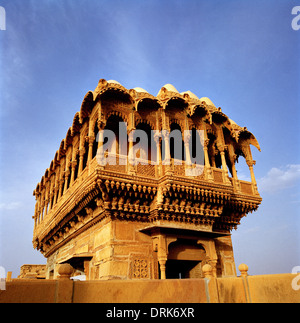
(249, 289)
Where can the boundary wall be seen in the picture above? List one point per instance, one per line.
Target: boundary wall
(247, 289)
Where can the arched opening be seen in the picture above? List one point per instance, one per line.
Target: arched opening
(185, 259)
(115, 142)
(86, 154)
(95, 143)
(196, 147)
(76, 166)
(145, 148)
(176, 142)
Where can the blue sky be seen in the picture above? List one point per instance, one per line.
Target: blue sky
(243, 55)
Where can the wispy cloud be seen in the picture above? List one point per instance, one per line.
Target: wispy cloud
(280, 178)
(9, 206)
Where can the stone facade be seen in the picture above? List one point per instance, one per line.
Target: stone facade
(33, 271)
(116, 212)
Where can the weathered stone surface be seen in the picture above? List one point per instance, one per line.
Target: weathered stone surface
(133, 209)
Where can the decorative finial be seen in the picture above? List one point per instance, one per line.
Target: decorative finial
(65, 271)
(207, 271)
(243, 268)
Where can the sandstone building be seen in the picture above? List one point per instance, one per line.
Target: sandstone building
(115, 212)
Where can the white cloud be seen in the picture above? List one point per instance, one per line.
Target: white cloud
(280, 178)
(9, 206)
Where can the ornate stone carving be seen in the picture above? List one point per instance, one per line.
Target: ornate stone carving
(100, 210)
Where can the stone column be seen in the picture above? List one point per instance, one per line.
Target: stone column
(100, 152)
(81, 156)
(73, 164)
(250, 164)
(66, 175)
(224, 165)
(90, 140)
(61, 182)
(167, 159)
(206, 160)
(131, 158)
(188, 161)
(162, 264)
(157, 137)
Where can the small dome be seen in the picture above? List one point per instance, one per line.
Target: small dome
(191, 94)
(207, 101)
(231, 121)
(113, 81)
(168, 87)
(139, 89)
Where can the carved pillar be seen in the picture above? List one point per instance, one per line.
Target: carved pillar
(188, 161)
(73, 164)
(131, 166)
(81, 152)
(42, 204)
(90, 140)
(157, 137)
(167, 159)
(162, 264)
(167, 156)
(51, 191)
(250, 164)
(206, 160)
(61, 183)
(66, 175)
(233, 158)
(100, 152)
(213, 157)
(56, 185)
(37, 208)
(47, 196)
(224, 165)
(160, 245)
(234, 175)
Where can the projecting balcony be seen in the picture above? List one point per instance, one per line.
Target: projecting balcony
(117, 166)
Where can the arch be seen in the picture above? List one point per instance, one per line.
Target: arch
(145, 148)
(94, 135)
(52, 166)
(176, 104)
(219, 117)
(85, 147)
(200, 112)
(185, 258)
(115, 91)
(86, 106)
(116, 124)
(176, 141)
(186, 249)
(196, 142)
(119, 114)
(245, 135)
(76, 124)
(62, 150)
(69, 138)
(148, 104)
